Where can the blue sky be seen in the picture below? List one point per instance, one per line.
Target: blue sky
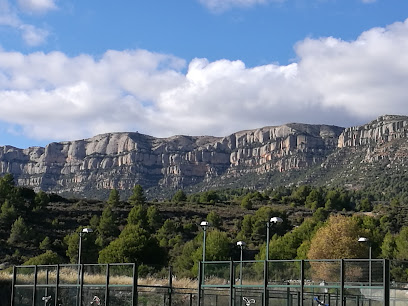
(73, 69)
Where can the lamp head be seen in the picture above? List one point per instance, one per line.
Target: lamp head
(204, 224)
(87, 230)
(241, 243)
(362, 239)
(276, 220)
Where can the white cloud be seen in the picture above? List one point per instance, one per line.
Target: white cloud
(9, 17)
(36, 6)
(223, 5)
(53, 96)
(33, 36)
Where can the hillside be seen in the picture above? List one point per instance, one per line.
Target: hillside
(281, 155)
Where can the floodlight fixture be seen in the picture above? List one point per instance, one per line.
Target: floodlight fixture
(241, 243)
(276, 220)
(87, 230)
(363, 239)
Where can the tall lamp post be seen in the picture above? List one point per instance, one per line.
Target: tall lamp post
(204, 225)
(241, 245)
(81, 233)
(269, 223)
(366, 240)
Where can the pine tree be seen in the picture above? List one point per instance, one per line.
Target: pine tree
(137, 197)
(8, 213)
(114, 198)
(107, 228)
(19, 232)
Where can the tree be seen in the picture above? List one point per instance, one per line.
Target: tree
(19, 233)
(314, 200)
(218, 246)
(259, 220)
(337, 239)
(41, 200)
(45, 244)
(137, 197)
(246, 202)
(47, 258)
(114, 198)
(299, 195)
(8, 213)
(138, 215)
(107, 229)
(246, 227)
(179, 196)
(134, 244)
(166, 233)
(286, 246)
(6, 186)
(89, 252)
(214, 219)
(401, 243)
(365, 205)
(153, 218)
(209, 196)
(388, 247)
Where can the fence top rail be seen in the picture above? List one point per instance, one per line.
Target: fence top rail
(347, 260)
(74, 265)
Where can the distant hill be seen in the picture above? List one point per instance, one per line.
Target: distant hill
(371, 156)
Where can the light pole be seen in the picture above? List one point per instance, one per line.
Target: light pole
(366, 240)
(271, 221)
(241, 244)
(204, 225)
(81, 233)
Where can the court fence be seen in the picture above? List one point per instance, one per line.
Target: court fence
(344, 282)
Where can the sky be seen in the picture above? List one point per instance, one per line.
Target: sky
(73, 69)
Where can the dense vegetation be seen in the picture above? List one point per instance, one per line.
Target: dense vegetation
(41, 228)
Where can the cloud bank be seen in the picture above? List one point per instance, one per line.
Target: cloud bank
(223, 5)
(10, 17)
(36, 6)
(53, 96)
(219, 6)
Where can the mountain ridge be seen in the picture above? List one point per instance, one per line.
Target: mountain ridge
(121, 160)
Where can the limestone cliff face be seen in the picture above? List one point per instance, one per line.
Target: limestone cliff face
(384, 138)
(121, 160)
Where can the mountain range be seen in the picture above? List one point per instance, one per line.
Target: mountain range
(369, 156)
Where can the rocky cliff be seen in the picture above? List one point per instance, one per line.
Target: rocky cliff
(121, 160)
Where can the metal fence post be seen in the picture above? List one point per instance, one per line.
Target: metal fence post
(81, 283)
(57, 285)
(386, 277)
(13, 283)
(302, 281)
(35, 285)
(134, 289)
(199, 283)
(107, 285)
(170, 284)
(266, 293)
(232, 282)
(341, 282)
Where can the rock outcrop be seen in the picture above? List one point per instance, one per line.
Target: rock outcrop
(121, 160)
